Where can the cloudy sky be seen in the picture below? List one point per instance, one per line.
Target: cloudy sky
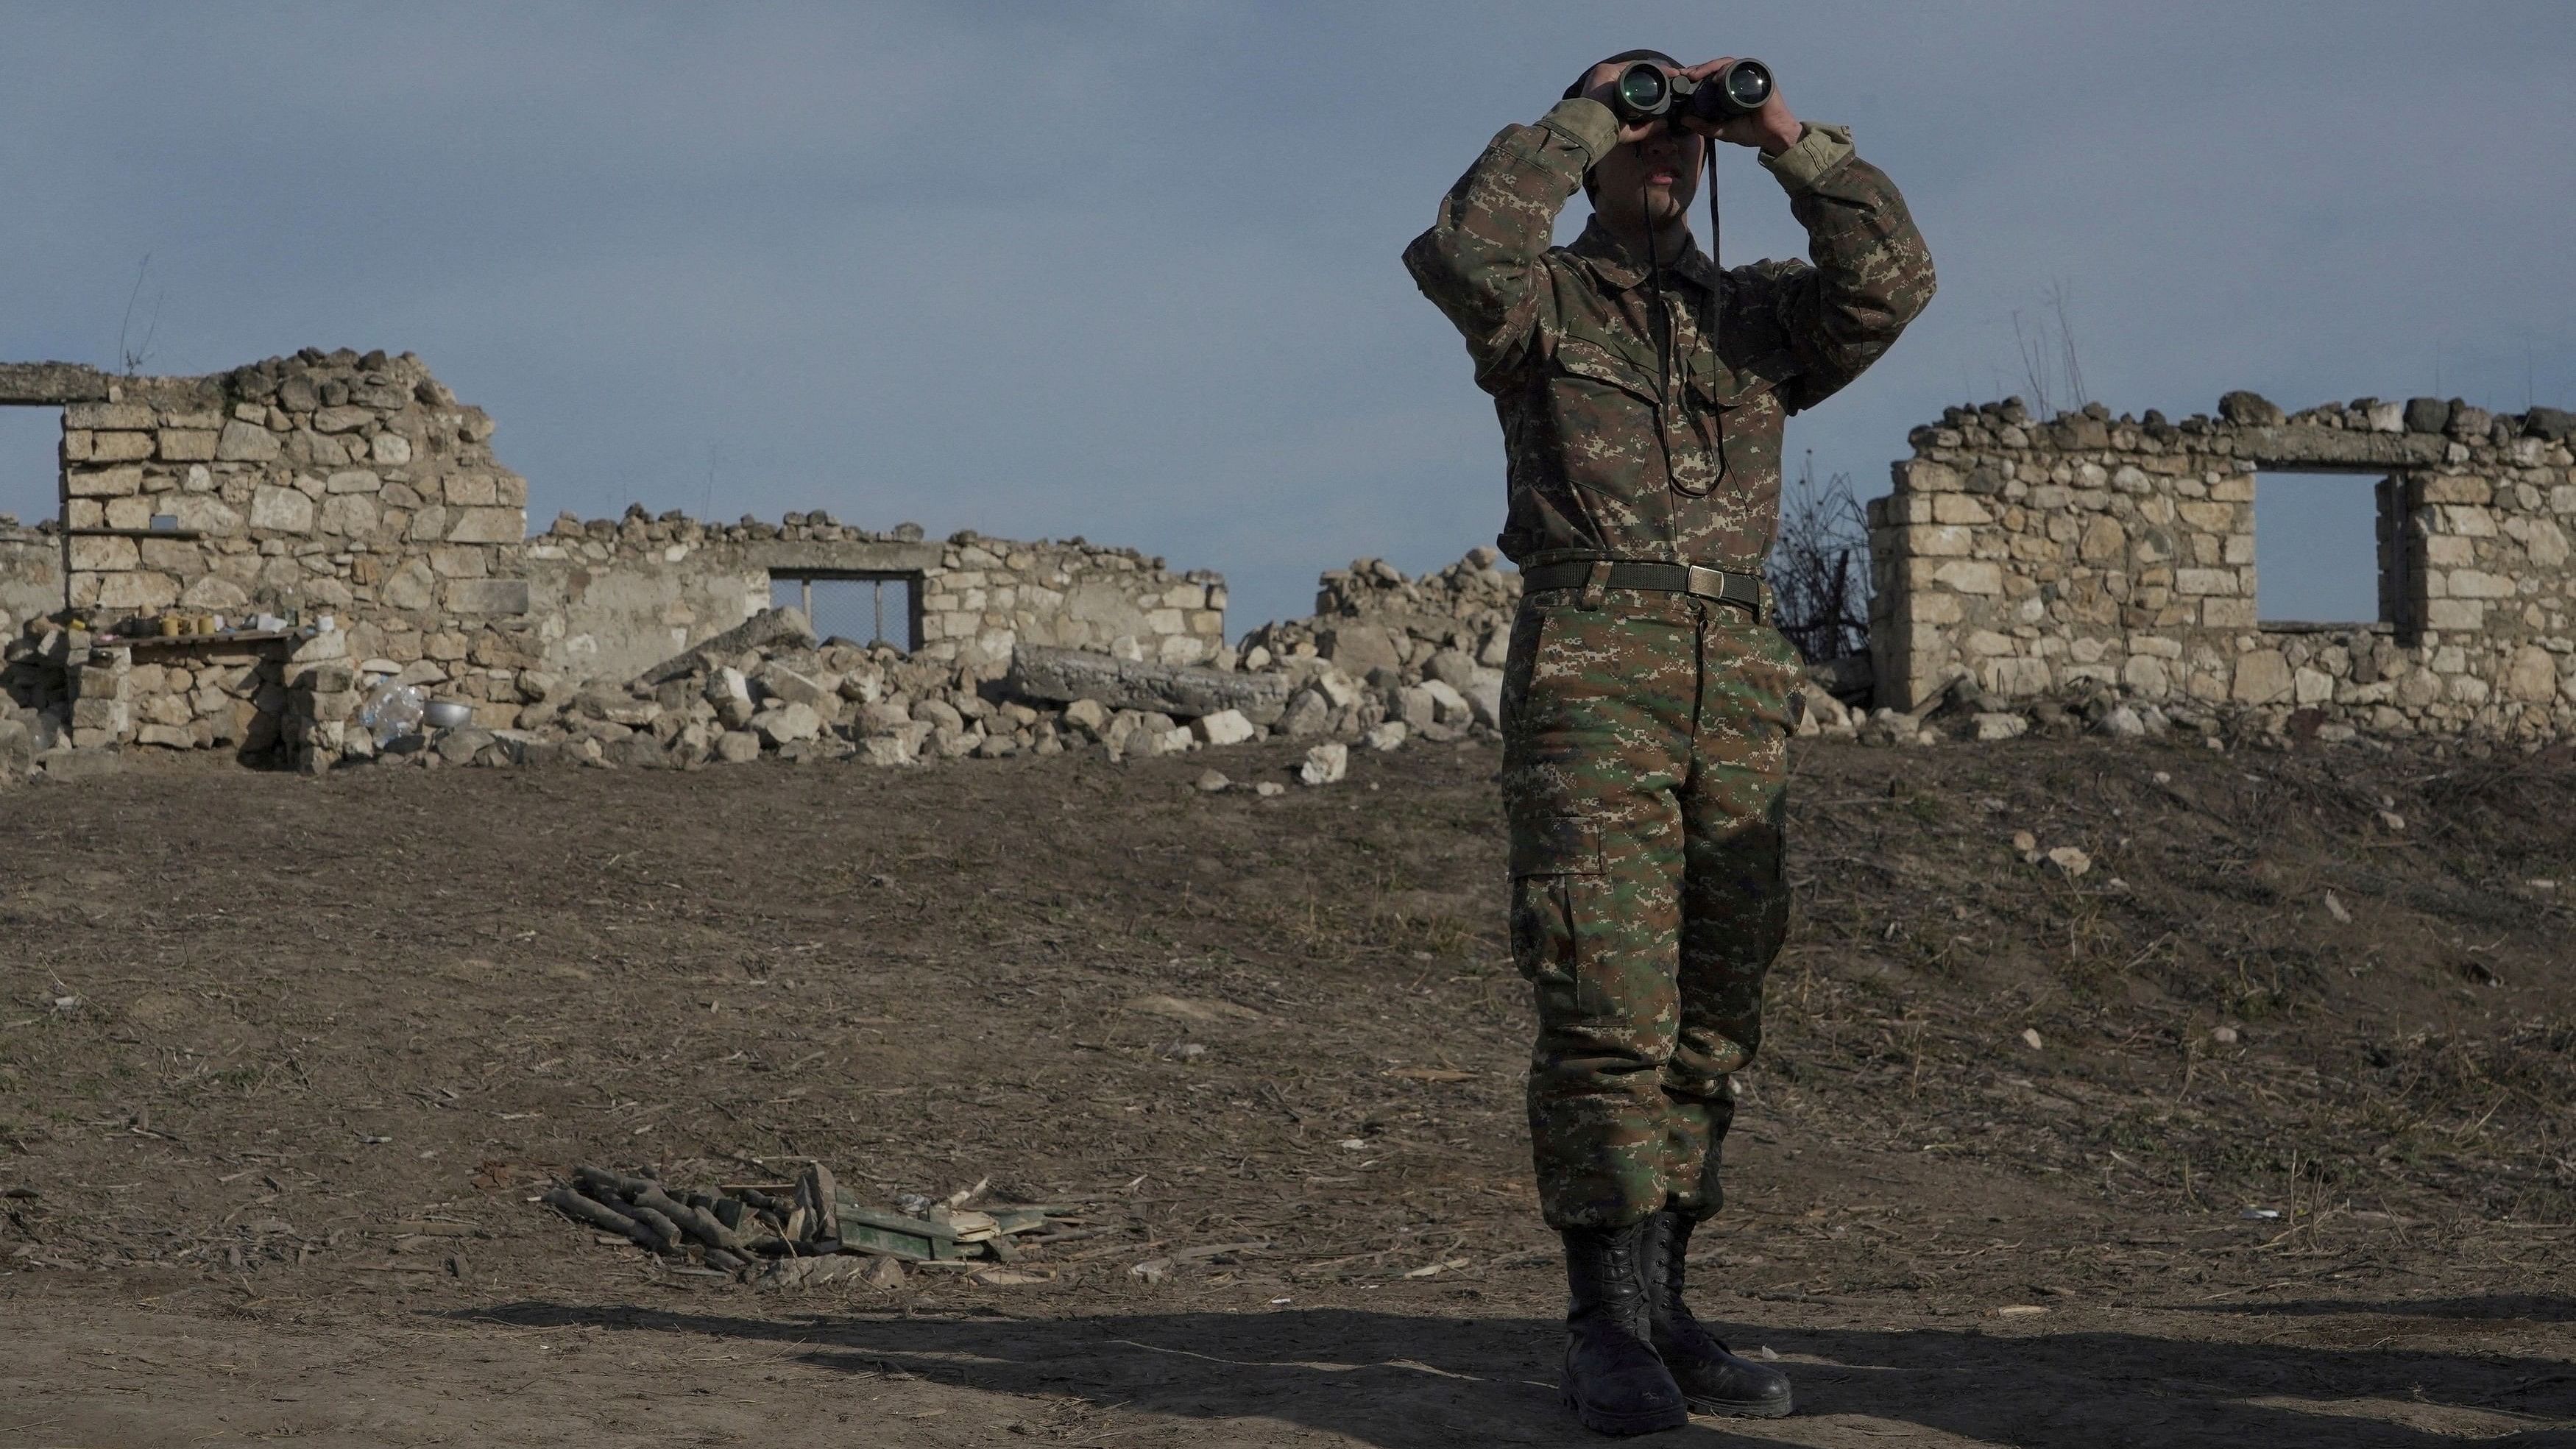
(1130, 270)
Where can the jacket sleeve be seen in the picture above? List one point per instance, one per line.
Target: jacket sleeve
(1869, 272)
(1482, 263)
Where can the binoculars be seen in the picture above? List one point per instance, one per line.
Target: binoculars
(1645, 92)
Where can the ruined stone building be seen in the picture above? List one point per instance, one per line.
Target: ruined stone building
(346, 519)
(2088, 552)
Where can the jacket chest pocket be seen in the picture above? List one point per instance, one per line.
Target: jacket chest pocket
(1606, 419)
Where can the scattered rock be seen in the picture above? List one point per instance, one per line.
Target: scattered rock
(780, 682)
(788, 723)
(61, 766)
(1308, 713)
(2251, 409)
(2121, 723)
(1388, 736)
(636, 752)
(1325, 764)
(1211, 782)
(1225, 727)
(2070, 861)
(2223, 1035)
(17, 751)
(890, 750)
(2030, 1038)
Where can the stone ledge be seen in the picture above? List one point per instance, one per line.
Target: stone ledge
(39, 384)
(793, 555)
(2290, 448)
(1186, 691)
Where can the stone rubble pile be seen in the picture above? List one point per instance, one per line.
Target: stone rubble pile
(1398, 660)
(780, 693)
(1966, 712)
(1370, 615)
(1426, 654)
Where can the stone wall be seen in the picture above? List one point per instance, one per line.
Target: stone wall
(2089, 553)
(31, 574)
(614, 597)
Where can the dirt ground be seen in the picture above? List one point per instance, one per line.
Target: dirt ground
(283, 1061)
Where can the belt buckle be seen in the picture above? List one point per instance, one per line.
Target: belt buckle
(1708, 583)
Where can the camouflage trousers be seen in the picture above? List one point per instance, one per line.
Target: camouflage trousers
(1644, 773)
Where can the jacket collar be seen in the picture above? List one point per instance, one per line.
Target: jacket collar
(1609, 260)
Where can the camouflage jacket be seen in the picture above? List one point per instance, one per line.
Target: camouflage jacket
(1601, 466)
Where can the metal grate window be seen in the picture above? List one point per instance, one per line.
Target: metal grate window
(863, 608)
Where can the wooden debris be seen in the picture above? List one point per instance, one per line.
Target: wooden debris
(697, 1222)
(573, 1205)
(966, 1227)
(798, 1228)
(599, 1181)
(819, 1195)
(665, 1231)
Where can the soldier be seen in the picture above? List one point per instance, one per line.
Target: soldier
(1642, 394)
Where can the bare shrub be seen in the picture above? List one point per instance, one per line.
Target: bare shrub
(2047, 348)
(1819, 568)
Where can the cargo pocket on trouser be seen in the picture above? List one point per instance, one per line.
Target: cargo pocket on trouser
(1548, 858)
(1595, 1109)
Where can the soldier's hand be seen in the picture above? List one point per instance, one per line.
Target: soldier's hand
(1597, 87)
(1771, 128)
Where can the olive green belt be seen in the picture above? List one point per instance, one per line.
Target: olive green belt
(1743, 590)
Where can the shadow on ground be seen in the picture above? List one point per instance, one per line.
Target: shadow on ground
(2503, 1307)
(1402, 1382)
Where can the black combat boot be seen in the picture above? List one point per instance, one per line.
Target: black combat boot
(1613, 1381)
(1712, 1379)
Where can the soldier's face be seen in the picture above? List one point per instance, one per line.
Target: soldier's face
(1649, 182)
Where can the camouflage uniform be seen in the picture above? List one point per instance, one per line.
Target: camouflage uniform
(1644, 730)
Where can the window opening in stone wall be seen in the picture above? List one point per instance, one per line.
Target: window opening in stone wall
(31, 463)
(862, 608)
(2327, 549)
